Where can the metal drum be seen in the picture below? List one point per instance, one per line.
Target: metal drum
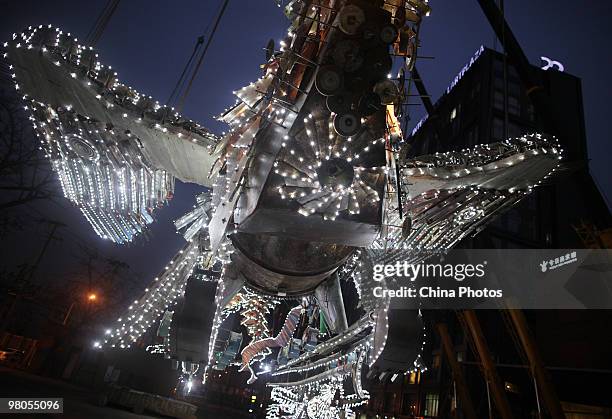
(347, 124)
(283, 266)
(329, 80)
(340, 103)
(350, 19)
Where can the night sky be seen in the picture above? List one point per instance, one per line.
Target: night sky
(148, 43)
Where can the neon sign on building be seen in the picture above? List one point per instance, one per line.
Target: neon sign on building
(458, 77)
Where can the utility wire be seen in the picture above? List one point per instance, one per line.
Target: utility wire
(199, 64)
(97, 22)
(180, 83)
(96, 31)
(182, 79)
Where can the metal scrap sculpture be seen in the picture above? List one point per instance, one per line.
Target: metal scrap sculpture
(307, 182)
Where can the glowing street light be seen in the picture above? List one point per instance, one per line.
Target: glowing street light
(92, 297)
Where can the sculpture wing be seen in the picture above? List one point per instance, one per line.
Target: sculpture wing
(456, 194)
(116, 151)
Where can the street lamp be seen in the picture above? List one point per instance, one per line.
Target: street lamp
(92, 297)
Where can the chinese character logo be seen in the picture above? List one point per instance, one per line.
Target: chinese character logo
(557, 262)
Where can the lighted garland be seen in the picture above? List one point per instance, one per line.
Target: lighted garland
(164, 291)
(255, 311)
(316, 151)
(458, 201)
(105, 176)
(196, 220)
(478, 157)
(101, 163)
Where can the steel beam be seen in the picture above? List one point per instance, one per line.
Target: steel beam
(497, 388)
(466, 401)
(537, 366)
(534, 88)
(420, 86)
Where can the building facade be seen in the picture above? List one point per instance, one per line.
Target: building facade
(486, 103)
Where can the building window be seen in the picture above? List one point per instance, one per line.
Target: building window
(514, 106)
(498, 83)
(455, 119)
(498, 66)
(409, 405)
(498, 129)
(475, 90)
(498, 100)
(412, 378)
(513, 73)
(514, 88)
(431, 406)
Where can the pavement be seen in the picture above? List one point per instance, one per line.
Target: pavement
(79, 403)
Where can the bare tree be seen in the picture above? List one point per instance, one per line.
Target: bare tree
(92, 295)
(26, 176)
(97, 288)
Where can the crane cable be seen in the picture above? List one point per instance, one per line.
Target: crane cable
(181, 79)
(96, 31)
(199, 63)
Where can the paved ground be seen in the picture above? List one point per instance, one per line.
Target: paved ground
(78, 402)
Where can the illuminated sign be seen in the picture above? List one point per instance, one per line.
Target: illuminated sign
(459, 76)
(465, 69)
(552, 64)
(419, 124)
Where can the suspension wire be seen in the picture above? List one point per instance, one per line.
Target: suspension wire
(537, 394)
(96, 31)
(181, 80)
(489, 400)
(180, 83)
(98, 20)
(202, 55)
(455, 395)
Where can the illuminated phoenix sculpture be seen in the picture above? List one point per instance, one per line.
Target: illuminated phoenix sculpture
(304, 186)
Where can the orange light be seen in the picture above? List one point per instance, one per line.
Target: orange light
(92, 297)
